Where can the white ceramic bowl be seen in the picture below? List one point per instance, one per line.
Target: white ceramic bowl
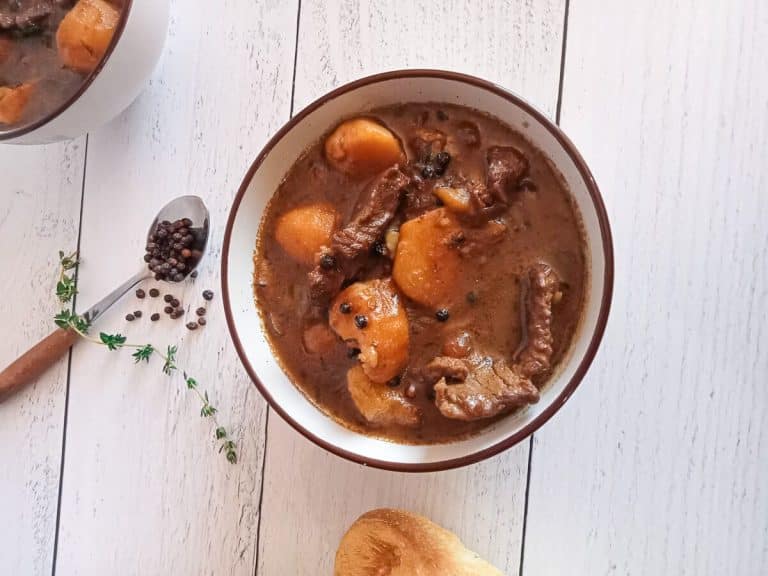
(113, 85)
(263, 179)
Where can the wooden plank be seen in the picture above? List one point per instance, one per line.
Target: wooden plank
(310, 496)
(144, 490)
(39, 215)
(659, 464)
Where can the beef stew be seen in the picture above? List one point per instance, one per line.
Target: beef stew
(420, 272)
(48, 48)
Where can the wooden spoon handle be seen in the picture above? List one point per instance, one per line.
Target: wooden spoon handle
(35, 361)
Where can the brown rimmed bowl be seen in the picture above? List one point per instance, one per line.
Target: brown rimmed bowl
(118, 79)
(264, 177)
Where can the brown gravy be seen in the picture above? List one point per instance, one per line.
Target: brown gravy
(541, 224)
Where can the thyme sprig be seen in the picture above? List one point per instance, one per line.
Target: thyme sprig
(66, 288)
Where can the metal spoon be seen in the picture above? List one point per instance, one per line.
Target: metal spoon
(45, 353)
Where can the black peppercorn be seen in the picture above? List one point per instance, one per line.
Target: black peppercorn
(175, 302)
(379, 248)
(394, 382)
(140, 294)
(207, 295)
(130, 317)
(201, 321)
(442, 315)
(352, 352)
(155, 317)
(361, 321)
(345, 307)
(154, 292)
(327, 262)
(137, 314)
(168, 298)
(168, 309)
(200, 311)
(194, 272)
(192, 325)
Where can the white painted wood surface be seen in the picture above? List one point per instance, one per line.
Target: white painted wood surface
(322, 494)
(39, 214)
(658, 465)
(144, 491)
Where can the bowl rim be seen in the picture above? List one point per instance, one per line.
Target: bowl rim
(605, 303)
(86, 83)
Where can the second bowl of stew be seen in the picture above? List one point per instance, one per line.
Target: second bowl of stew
(417, 270)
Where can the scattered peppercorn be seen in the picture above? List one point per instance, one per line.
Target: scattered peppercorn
(327, 261)
(200, 311)
(130, 317)
(379, 248)
(177, 314)
(155, 317)
(202, 321)
(352, 352)
(394, 382)
(175, 302)
(168, 298)
(140, 294)
(154, 292)
(137, 314)
(207, 295)
(442, 315)
(361, 321)
(168, 309)
(345, 307)
(435, 165)
(192, 325)
(194, 272)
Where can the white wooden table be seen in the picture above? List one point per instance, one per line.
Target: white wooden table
(659, 463)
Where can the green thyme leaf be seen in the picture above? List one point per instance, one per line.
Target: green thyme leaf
(170, 360)
(220, 433)
(112, 341)
(143, 353)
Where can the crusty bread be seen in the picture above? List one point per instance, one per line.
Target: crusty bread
(388, 542)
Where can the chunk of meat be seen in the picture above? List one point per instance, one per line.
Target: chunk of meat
(318, 339)
(486, 387)
(362, 147)
(371, 316)
(6, 47)
(536, 349)
(506, 166)
(85, 34)
(427, 264)
(350, 246)
(303, 231)
(379, 404)
(13, 101)
(24, 15)
(427, 142)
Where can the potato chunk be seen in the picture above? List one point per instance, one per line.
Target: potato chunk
(379, 404)
(455, 199)
(85, 33)
(371, 315)
(303, 231)
(13, 101)
(362, 147)
(427, 265)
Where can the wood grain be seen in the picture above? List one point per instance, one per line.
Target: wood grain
(39, 213)
(144, 491)
(659, 464)
(311, 497)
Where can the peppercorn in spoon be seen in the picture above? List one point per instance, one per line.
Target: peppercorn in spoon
(176, 243)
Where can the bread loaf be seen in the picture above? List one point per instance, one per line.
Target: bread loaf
(388, 542)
